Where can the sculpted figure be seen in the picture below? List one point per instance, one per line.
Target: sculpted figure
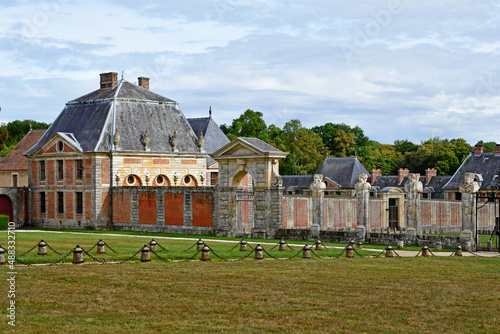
(469, 185)
(413, 185)
(317, 184)
(362, 185)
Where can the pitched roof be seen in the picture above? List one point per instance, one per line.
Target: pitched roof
(15, 160)
(344, 171)
(296, 182)
(132, 110)
(260, 145)
(214, 137)
(486, 165)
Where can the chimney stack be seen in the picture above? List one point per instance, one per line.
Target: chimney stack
(375, 174)
(478, 149)
(143, 82)
(109, 80)
(402, 173)
(429, 173)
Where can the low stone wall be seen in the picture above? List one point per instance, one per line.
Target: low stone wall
(374, 238)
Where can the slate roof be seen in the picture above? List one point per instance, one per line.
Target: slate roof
(261, 145)
(15, 160)
(486, 165)
(89, 120)
(388, 181)
(214, 137)
(296, 182)
(344, 171)
(436, 182)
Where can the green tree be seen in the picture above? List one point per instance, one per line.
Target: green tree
(4, 135)
(249, 124)
(306, 149)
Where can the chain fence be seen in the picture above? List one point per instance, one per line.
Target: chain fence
(223, 258)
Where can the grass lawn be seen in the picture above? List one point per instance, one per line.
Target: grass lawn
(380, 295)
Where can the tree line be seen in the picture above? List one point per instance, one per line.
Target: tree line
(309, 147)
(12, 132)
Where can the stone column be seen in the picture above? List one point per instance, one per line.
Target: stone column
(363, 197)
(468, 188)
(318, 195)
(413, 188)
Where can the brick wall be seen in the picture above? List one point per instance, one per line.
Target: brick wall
(147, 207)
(203, 209)
(174, 208)
(50, 172)
(51, 204)
(68, 205)
(105, 171)
(122, 210)
(87, 169)
(69, 171)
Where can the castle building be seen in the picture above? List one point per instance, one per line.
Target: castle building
(120, 135)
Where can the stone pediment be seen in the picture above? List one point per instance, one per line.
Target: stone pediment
(61, 143)
(248, 147)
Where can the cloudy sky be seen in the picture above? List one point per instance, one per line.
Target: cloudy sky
(400, 69)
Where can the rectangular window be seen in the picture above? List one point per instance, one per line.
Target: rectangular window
(42, 203)
(79, 203)
(42, 170)
(60, 202)
(213, 178)
(60, 169)
(14, 180)
(79, 169)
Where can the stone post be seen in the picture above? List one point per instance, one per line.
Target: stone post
(363, 197)
(42, 248)
(468, 188)
(318, 195)
(77, 255)
(2, 256)
(413, 188)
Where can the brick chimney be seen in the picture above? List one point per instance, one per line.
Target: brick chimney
(497, 150)
(429, 173)
(109, 80)
(478, 149)
(402, 173)
(375, 174)
(143, 82)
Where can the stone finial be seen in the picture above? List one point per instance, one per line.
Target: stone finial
(469, 185)
(145, 140)
(317, 184)
(174, 140)
(116, 138)
(201, 141)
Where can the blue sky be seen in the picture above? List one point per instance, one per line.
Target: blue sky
(400, 69)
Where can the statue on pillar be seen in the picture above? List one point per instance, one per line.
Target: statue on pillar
(469, 188)
(363, 188)
(413, 188)
(318, 191)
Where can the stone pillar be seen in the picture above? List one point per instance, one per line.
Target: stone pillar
(363, 197)
(318, 195)
(468, 188)
(413, 188)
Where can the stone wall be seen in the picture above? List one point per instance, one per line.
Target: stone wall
(374, 238)
(340, 214)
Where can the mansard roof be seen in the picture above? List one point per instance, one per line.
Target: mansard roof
(130, 109)
(343, 171)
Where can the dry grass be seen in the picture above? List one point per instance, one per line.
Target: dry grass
(398, 295)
